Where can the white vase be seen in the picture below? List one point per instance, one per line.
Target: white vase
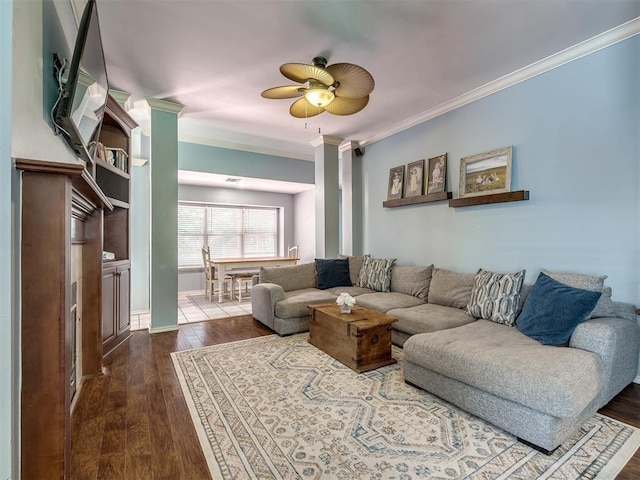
(345, 308)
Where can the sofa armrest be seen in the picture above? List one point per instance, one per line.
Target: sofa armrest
(264, 297)
(617, 342)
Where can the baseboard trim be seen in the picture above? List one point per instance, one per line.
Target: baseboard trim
(637, 380)
(170, 328)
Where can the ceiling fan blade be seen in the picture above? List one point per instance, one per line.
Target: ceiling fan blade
(346, 106)
(355, 81)
(300, 72)
(301, 108)
(288, 91)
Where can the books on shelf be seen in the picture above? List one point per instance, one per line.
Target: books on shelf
(118, 158)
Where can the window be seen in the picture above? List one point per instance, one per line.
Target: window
(229, 231)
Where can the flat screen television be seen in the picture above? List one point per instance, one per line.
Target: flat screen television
(80, 108)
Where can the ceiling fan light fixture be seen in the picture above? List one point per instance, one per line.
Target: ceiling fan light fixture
(319, 97)
(340, 89)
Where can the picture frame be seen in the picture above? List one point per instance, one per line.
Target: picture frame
(436, 174)
(396, 181)
(486, 173)
(415, 178)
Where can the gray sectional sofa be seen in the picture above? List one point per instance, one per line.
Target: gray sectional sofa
(539, 393)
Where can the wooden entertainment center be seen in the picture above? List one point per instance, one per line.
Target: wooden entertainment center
(75, 307)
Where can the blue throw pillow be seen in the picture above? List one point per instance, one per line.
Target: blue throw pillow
(333, 272)
(553, 311)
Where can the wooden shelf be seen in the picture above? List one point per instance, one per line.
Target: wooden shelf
(112, 168)
(118, 203)
(433, 197)
(516, 196)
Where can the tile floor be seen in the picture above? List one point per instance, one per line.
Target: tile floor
(195, 307)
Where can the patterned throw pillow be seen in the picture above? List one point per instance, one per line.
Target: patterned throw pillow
(496, 296)
(376, 274)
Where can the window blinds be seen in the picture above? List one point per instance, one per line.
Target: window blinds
(229, 231)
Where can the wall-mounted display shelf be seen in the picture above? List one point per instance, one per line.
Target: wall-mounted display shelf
(516, 196)
(432, 197)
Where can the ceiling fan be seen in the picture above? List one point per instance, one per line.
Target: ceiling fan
(340, 89)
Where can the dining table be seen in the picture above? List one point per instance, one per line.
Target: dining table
(224, 266)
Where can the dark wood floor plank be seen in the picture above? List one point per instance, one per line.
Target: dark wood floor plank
(133, 421)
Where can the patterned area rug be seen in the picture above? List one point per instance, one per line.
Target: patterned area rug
(279, 408)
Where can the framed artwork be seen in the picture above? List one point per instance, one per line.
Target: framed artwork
(415, 175)
(486, 173)
(396, 179)
(437, 174)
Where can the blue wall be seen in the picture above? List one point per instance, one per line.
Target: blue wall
(205, 158)
(576, 149)
(9, 324)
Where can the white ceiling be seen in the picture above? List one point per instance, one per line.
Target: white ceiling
(216, 56)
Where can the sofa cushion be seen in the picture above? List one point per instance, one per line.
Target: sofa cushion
(450, 289)
(558, 381)
(296, 303)
(376, 273)
(428, 317)
(355, 264)
(353, 291)
(496, 296)
(553, 310)
(291, 277)
(383, 302)
(411, 280)
(332, 272)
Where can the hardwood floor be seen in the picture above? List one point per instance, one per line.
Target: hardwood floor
(133, 423)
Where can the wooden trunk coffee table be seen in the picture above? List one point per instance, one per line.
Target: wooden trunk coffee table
(360, 339)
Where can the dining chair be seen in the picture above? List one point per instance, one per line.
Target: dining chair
(293, 252)
(242, 282)
(211, 277)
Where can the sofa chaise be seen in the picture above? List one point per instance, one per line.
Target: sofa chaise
(471, 354)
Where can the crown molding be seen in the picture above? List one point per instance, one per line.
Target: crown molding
(348, 145)
(119, 96)
(587, 47)
(164, 105)
(326, 140)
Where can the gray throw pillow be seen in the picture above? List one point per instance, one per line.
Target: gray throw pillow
(496, 296)
(450, 289)
(605, 306)
(291, 277)
(578, 280)
(376, 273)
(411, 280)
